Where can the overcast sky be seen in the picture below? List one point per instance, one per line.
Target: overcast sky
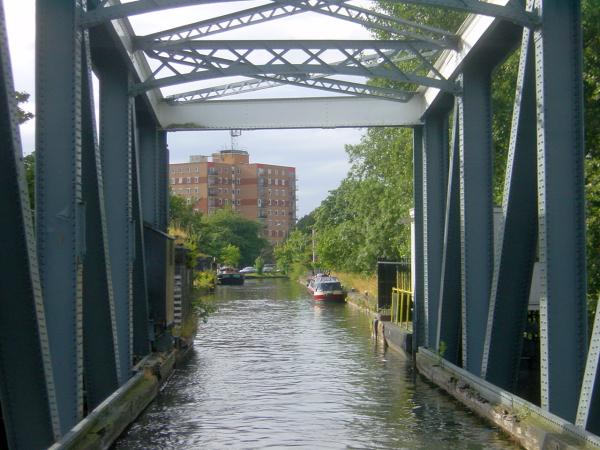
(318, 154)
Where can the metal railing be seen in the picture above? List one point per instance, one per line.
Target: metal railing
(401, 311)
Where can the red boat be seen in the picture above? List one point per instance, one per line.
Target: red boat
(328, 289)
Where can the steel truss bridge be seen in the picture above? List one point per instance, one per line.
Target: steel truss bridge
(83, 286)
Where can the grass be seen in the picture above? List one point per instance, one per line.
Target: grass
(361, 283)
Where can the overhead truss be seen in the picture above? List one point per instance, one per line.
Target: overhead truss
(203, 60)
(110, 11)
(184, 56)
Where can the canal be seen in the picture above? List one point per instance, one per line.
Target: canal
(273, 369)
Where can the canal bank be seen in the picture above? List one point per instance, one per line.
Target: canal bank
(103, 426)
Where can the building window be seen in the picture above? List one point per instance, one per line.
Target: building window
(276, 203)
(270, 203)
(173, 180)
(269, 192)
(196, 180)
(237, 202)
(276, 181)
(238, 171)
(225, 191)
(261, 171)
(197, 169)
(283, 182)
(220, 191)
(237, 191)
(269, 181)
(269, 171)
(220, 201)
(259, 202)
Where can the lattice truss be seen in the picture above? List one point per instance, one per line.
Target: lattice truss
(405, 62)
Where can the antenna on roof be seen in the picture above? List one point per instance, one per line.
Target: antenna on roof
(234, 141)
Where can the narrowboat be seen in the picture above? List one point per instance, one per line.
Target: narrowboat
(229, 276)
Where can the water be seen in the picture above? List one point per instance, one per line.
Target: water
(272, 369)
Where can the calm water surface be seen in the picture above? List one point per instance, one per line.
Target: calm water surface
(272, 369)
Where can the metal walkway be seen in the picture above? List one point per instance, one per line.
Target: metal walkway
(83, 296)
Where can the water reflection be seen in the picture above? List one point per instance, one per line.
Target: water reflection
(274, 369)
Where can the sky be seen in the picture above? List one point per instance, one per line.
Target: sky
(318, 154)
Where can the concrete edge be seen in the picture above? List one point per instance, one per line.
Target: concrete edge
(525, 422)
(103, 426)
(105, 423)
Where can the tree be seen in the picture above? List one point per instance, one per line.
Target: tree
(22, 115)
(259, 264)
(230, 255)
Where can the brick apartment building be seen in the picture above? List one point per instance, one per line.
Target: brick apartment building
(262, 192)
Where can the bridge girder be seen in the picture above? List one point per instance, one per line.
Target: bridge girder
(513, 13)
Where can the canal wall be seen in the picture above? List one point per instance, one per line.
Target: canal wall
(526, 423)
(101, 428)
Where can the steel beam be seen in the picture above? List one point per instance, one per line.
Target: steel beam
(27, 391)
(435, 163)
(320, 83)
(203, 60)
(149, 165)
(141, 318)
(516, 248)
(513, 12)
(116, 150)
(420, 330)
(317, 112)
(339, 9)
(476, 229)
(563, 319)
(312, 80)
(163, 182)
(101, 352)
(449, 315)
(588, 410)
(59, 206)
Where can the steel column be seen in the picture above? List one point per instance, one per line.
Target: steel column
(101, 354)
(449, 318)
(420, 330)
(141, 341)
(149, 164)
(163, 182)
(59, 207)
(435, 162)
(27, 391)
(515, 254)
(116, 150)
(476, 229)
(588, 410)
(563, 321)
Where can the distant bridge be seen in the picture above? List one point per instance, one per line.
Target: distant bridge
(79, 302)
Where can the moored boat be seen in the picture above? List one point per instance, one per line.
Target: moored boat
(328, 289)
(229, 276)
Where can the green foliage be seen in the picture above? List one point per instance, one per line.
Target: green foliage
(366, 218)
(203, 309)
(230, 255)
(294, 252)
(205, 280)
(29, 164)
(259, 264)
(591, 89)
(211, 234)
(22, 115)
